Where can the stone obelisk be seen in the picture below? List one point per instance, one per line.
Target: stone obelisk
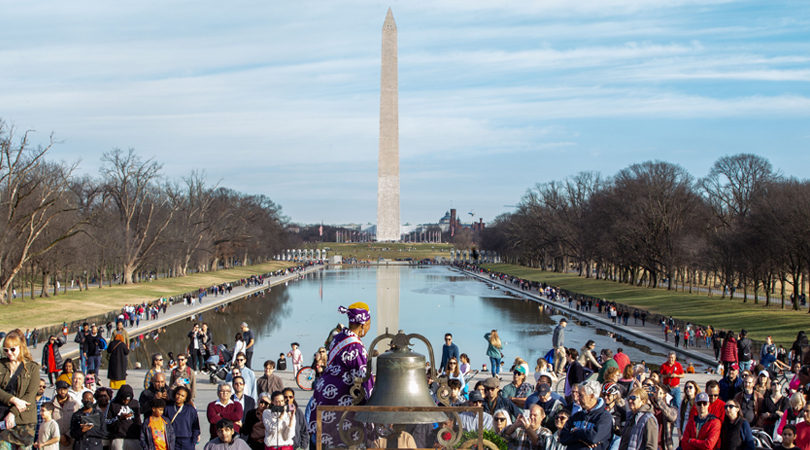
(388, 224)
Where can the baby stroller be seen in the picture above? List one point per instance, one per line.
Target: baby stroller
(219, 363)
(761, 439)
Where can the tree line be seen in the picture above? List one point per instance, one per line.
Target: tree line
(127, 223)
(743, 227)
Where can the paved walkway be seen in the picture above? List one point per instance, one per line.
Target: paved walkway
(650, 332)
(179, 311)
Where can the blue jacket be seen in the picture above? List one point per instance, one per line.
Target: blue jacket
(186, 424)
(729, 389)
(586, 428)
(449, 351)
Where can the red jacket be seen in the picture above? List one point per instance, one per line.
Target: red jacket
(717, 408)
(707, 439)
(729, 353)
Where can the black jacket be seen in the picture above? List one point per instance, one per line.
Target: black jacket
(146, 399)
(60, 341)
(118, 426)
(90, 440)
(117, 353)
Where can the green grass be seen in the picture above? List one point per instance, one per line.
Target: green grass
(373, 251)
(75, 305)
(760, 321)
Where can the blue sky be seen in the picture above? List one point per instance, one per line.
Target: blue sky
(282, 98)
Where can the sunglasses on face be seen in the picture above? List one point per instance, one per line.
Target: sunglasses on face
(500, 419)
(291, 397)
(241, 359)
(731, 406)
(560, 419)
(11, 349)
(702, 404)
(713, 395)
(632, 398)
(264, 404)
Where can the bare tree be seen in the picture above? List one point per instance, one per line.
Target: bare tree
(32, 198)
(144, 211)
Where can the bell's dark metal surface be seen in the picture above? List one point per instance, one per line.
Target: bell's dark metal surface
(401, 381)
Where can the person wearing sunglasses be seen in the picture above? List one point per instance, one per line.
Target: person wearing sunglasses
(702, 432)
(735, 434)
(501, 420)
(560, 420)
(19, 383)
(717, 407)
(493, 401)
(248, 375)
(518, 390)
(449, 350)
(301, 438)
(253, 430)
(641, 430)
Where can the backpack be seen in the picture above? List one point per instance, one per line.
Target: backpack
(745, 350)
(102, 343)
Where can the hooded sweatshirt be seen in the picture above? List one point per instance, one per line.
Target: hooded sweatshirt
(118, 426)
(594, 427)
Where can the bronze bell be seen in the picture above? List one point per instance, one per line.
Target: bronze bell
(400, 381)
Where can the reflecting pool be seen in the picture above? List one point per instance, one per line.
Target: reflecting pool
(427, 300)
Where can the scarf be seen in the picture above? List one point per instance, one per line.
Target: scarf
(637, 431)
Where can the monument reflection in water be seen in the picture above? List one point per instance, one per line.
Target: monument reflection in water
(430, 301)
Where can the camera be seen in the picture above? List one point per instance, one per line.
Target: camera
(277, 409)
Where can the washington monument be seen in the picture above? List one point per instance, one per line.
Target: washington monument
(388, 224)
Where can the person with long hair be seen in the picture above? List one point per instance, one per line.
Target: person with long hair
(19, 383)
(728, 355)
(690, 392)
(239, 346)
(735, 433)
(347, 358)
(796, 348)
(453, 372)
(67, 371)
(117, 353)
(464, 365)
(51, 358)
(494, 352)
(773, 406)
(586, 358)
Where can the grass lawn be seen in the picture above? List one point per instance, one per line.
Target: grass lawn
(760, 321)
(75, 305)
(372, 251)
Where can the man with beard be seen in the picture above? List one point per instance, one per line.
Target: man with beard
(85, 425)
(41, 400)
(103, 396)
(124, 420)
(157, 389)
(63, 409)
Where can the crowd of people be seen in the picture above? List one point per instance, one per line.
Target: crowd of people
(577, 399)
(81, 414)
